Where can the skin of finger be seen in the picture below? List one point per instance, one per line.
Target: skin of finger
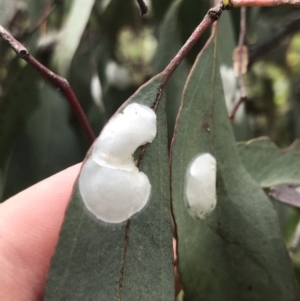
(29, 229)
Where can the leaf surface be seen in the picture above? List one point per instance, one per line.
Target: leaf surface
(71, 34)
(237, 253)
(169, 44)
(46, 143)
(268, 165)
(126, 261)
(15, 108)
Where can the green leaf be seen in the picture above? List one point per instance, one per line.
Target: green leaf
(160, 7)
(169, 45)
(7, 10)
(15, 108)
(226, 40)
(191, 13)
(268, 165)
(71, 34)
(133, 261)
(237, 253)
(46, 143)
(35, 9)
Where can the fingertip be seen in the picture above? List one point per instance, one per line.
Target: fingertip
(29, 227)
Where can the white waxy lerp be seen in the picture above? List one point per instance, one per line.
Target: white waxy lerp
(201, 186)
(110, 184)
(124, 133)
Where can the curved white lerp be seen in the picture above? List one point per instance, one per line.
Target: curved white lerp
(111, 186)
(124, 133)
(201, 186)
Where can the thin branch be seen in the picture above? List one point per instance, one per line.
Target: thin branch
(243, 26)
(143, 7)
(212, 15)
(56, 80)
(236, 107)
(239, 3)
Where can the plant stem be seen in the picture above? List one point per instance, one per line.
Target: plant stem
(236, 107)
(211, 16)
(57, 81)
(239, 3)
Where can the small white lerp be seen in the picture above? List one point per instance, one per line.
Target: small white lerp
(201, 185)
(110, 184)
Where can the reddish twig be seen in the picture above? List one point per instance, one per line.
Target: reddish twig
(243, 27)
(57, 81)
(212, 15)
(239, 3)
(236, 107)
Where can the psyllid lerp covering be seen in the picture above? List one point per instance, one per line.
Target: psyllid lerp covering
(111, 185)
(201, 186)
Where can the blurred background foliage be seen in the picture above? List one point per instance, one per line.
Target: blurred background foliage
(107, 50)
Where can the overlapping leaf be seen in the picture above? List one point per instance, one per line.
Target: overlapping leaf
(45, 143)
(167, 48)
(71, 34)
(133, 261)
(15, 107)
(268, 165)
(237, 253)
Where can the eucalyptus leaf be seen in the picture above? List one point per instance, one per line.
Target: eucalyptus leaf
(7, 10)
(268, 165)
(46, 143)
(15, 108)
(237, 253)
(71, 35)
(169, 44)
(191, 13)
(127, 261)
(160, 7)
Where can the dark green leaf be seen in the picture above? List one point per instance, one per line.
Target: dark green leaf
(7, 10)
(71, 34)
(15, 107)
(167, 48)
(160, 7)
(97, 261)
(46, 143)
(268, 165)
(191, 13)
(237, 253)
